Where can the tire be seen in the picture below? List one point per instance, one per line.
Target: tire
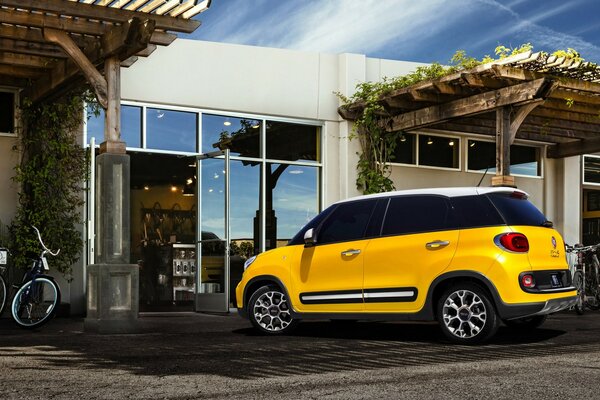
(3, 294)
(466, 314)
(578, 283)
(269, 311)
(526, 323)
(35, 303)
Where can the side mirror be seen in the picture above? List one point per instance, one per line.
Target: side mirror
(309, 238)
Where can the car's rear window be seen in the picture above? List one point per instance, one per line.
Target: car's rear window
(476, 212)
(516, 209)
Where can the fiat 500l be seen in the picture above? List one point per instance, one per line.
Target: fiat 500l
(469, 258)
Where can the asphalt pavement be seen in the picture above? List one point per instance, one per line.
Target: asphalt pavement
(190, 355)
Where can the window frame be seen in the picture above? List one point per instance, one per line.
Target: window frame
(583, 181)
(16, 111)
(418, 164)
(517, 143)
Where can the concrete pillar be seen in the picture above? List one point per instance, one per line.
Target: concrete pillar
(112, 283)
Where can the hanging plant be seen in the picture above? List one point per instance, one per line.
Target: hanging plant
(51, 176)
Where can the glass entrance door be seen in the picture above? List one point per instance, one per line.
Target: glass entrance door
(213, 232)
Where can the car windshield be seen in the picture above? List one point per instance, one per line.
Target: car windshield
(517, 210)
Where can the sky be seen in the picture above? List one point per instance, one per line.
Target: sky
(408, 30)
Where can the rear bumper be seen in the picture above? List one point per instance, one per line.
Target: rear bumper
(510, 311)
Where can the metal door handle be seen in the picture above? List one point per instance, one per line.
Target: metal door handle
(438, 244)
(350, 252)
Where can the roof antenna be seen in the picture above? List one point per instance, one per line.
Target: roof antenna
(484, 174)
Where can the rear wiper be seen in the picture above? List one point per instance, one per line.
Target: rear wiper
(548, 224)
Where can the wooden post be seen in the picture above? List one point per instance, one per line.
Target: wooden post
(112, 116)
(503, 139)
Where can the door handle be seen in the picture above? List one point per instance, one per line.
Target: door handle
(438, 244)
(350, 252)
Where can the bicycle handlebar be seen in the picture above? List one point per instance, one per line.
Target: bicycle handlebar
(571, 249)
(53, 253)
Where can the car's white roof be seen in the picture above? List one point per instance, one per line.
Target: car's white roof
(448, 192)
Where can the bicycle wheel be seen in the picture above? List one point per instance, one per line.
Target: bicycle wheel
(35, 303)
(578, 283)
(3, 294)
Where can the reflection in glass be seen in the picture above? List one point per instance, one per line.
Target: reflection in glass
(292, 200)
(131, 125)
(292, 142)
(171, 130)
(405, 151)
(244, 218)
(437, 151)
(212, 220)
(241, 136)
(524, 160)
(591, 172)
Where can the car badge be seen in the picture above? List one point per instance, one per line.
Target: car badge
(553, 242)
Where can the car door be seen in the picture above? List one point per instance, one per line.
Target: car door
(418, 239)
(328, 276)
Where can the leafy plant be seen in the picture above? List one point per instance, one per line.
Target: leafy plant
(51, 176)
(377, 145)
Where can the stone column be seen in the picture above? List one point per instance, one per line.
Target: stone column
(112, 282)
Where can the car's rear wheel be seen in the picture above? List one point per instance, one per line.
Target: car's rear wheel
(526, 323)
(466, 314)
(269, 311)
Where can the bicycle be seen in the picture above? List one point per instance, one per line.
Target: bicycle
(585, 267)
(37, 298)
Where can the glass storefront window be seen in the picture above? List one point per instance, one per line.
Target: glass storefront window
(292, 142)
(524, 160)
(405, 151)
(171, 130)
(241, 136)
(591, 170)
(7, 112)
(131, 125)
(292, 201)
(438, 151)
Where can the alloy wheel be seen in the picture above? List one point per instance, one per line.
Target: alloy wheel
(271, 311)
(464, 314)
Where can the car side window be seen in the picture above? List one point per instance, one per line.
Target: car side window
(476, 212)
(416, 214)
(347, 222)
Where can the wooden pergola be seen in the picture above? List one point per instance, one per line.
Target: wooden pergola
(532, 96)
(50, 46)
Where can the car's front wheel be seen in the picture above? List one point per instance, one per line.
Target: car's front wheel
(466, 314)
(269, 311)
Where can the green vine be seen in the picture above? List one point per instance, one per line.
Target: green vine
(377, 145)
(51, 176)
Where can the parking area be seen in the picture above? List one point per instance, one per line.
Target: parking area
(210, 356)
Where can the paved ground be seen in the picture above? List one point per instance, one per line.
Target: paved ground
(189, 356)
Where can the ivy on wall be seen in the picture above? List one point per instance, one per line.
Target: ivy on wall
(377, 145)
(51, 175)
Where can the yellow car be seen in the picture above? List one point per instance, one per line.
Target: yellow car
(466, 257)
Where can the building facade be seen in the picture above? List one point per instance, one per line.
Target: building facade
(236, 147)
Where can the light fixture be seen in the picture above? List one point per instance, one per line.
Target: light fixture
(192, 165)
(403, 138)
(227, 122)
(189, 181)
(472, 144)
(159, 114)
(256, 125)
(429, 140)
(296, 172)
(173, 188)
(210, 190)
(188, 190)
(451, 143)
(216, 176)
(146, 187)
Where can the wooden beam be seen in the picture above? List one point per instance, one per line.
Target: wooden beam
(147, 51)
(162, 38)
(15, 17)
(519, 115)
(574, 148)
(127, 39)
(569, 116)
(21, 72)
(26, 60)
(482, 81)
(92, 75)
(35, 49)
(576, 97)
(563, 124)
(479, 103)
(447, 88)
(420, 95)
(503, 143)
(556, 104)
(106, 14)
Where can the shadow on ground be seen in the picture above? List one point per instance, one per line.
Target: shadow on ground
(236, 351)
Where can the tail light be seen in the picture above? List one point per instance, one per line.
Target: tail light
(527, 281)
(515, 242)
